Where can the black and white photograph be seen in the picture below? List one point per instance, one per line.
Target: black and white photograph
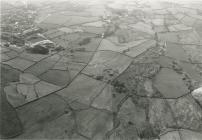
(101, 69)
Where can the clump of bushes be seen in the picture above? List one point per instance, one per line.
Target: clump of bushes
(99, 77)
(38, 49)
(84, 41)
(119, 86)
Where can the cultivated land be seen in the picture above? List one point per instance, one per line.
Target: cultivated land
(101, 70)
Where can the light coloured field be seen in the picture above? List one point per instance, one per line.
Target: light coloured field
(137, 50)
(107, 60)
(179, 27)
(75, 20)
(94, 24)
(147, 28)
(56, 19)
(92, 45)
(108, 45)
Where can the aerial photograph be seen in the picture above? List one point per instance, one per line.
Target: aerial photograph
(101, 70)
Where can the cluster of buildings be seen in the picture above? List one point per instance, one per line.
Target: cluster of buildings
(18, 29)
